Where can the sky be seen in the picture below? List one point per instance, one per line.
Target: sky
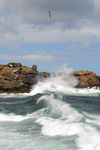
(70, 36)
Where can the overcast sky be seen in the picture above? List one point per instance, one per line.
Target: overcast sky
(70, 36)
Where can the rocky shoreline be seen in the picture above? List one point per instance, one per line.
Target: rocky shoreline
(15, 78)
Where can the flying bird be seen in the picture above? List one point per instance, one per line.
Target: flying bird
(49, 13)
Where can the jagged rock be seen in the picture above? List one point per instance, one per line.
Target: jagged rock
(34, 67)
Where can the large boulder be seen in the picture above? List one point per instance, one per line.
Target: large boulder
(86, 79)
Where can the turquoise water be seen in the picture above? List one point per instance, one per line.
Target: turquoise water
(53, 116)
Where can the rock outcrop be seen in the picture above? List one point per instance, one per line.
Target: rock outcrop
(15, 78)
(34, 67)
(87, 79)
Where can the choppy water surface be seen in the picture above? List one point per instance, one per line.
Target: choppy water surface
(53, 116)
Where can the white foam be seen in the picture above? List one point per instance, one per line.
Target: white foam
(70, 123)
(61, 108)
(57, 127)
(94, 119)
(67, 122)
(12, 95)
(94, 91)
(12, 117)
(89, 140)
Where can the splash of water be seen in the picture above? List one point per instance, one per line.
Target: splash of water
(62, 81)
(57, 82)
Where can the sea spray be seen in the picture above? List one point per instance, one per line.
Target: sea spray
(63, 80)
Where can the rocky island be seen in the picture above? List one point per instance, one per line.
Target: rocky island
(15, 78)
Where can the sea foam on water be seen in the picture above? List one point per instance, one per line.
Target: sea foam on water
(54, 114)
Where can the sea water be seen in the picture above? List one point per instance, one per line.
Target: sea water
(53, 116)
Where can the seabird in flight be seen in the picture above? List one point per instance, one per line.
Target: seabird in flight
(49, 13)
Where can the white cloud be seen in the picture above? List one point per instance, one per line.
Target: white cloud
(19, 25)
(74, 47)
(28, 58)
(42, 58)
(97, 7)
(85, 44)
(25, 35)
(2, 3)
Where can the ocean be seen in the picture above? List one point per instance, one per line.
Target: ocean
(53, 116)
